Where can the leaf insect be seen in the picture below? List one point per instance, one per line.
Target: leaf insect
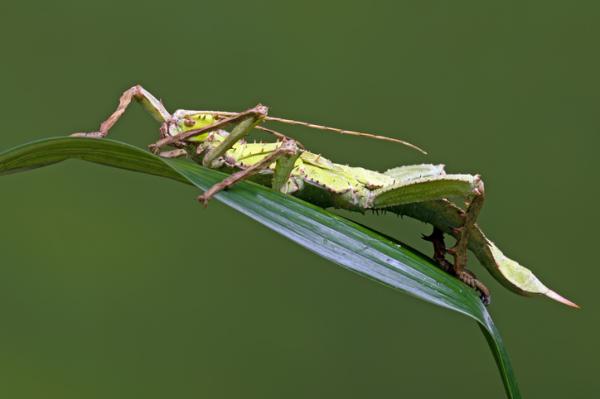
(418, 191)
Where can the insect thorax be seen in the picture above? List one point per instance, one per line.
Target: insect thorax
(183, 121)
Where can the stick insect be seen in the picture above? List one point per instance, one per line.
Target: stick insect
(418, 191)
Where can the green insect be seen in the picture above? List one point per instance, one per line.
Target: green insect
(418, 191)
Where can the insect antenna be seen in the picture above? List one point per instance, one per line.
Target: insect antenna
(279, 135)
(322, 127)
(275, 133)
(344, 131)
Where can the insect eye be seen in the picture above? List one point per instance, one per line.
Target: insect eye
(188, 122)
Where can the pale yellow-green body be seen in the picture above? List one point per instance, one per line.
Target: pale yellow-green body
(412, 190)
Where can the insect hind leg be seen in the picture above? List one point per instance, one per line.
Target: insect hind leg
(459, 250)
(464, 275)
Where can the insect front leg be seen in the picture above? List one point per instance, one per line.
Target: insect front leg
(284, 157)
(239, 132)
(245, 122)
(151, 103)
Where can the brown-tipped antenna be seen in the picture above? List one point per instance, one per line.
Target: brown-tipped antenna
(321, 127)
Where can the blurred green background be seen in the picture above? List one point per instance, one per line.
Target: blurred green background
(120, 285)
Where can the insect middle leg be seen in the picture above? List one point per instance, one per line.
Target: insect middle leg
(284, 157)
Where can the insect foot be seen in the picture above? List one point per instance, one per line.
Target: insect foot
(153, 148)
(203, 199)
(469, 279)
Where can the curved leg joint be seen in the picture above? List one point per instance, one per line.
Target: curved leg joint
(137, 92)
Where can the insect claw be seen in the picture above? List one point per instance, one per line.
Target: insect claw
(154, 149)
(469, 279)
(486, 299)
(203, 200)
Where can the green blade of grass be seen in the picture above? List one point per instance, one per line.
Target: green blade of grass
(333, 237)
